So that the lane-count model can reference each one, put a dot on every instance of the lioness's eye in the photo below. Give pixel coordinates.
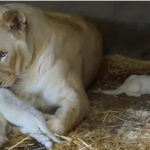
(3, 54)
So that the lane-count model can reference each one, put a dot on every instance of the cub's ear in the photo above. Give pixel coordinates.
(14, 19)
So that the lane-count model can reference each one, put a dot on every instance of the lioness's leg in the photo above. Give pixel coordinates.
(73, 108)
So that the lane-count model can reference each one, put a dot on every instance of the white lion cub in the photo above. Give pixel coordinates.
(135, 85)
(27, 118)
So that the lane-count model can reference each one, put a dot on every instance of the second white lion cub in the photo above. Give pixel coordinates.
(134, 85)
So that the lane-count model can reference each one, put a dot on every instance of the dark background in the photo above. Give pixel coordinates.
(125, 25)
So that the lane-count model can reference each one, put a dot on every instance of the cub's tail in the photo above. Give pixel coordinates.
(118, 91)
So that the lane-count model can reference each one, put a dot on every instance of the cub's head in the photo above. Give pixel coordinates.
(13, 46)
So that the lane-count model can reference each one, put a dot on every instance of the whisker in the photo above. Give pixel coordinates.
(9, 80)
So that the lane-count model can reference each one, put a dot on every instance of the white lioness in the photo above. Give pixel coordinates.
(134, 85)
(50, 56)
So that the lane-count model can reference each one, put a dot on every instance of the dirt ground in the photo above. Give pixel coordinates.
(110, 102)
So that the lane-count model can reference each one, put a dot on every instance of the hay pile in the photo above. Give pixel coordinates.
(117, 128)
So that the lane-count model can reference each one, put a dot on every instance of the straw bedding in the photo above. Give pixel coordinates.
(115, 123)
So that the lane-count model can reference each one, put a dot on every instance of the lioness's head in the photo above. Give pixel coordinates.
(12, 45)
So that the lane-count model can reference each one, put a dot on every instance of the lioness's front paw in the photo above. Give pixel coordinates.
(56, 126)
(3, 140)
(48, 117)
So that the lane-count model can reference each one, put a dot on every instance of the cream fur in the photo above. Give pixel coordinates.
(28, 119)
(52, 58)
(135, 85)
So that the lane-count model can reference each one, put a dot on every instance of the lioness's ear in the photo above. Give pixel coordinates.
(14, 19)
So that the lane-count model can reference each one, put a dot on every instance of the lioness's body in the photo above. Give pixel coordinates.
(58, 57)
